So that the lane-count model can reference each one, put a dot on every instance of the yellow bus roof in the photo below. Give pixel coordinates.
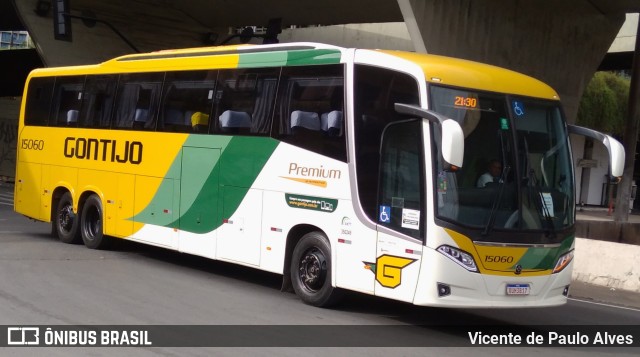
(437, 69)
(469, 74)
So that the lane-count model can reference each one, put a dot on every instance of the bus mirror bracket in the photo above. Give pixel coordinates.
(614, 147)
(452, 137)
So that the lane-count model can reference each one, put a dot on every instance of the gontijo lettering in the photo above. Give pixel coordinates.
(103, 150)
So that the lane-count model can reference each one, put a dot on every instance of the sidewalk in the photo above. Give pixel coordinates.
(602, 294)
(602, 214)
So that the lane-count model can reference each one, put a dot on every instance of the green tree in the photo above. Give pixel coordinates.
(604, 104)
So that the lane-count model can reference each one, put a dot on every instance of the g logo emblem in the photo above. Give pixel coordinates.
(388, 269)
(518, 269)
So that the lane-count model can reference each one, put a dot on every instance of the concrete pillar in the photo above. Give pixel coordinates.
(632, 129)
(558, 42)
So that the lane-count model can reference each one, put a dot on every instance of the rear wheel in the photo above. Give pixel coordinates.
(65, 223)
(91, 224)
(311, 271)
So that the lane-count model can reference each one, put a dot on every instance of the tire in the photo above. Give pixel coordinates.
(66, 222)
(311, 271)
(91, 224)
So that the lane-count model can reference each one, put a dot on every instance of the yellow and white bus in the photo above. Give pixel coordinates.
(341, 169)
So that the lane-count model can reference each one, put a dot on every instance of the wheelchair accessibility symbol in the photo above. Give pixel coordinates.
(518, 108)
(385, 214)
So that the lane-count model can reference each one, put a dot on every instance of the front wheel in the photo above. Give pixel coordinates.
(91, 224)
(311, 271)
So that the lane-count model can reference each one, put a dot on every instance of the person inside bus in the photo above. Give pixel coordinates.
(494, 170)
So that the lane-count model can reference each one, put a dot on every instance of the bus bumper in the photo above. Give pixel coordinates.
(444, 283)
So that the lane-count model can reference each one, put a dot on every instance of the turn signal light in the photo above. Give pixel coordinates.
(563, 261)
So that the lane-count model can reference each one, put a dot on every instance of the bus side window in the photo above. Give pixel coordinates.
(97, 101)
(375, 92)
(137, 100)
(187, 101)
(310, 111)
(244, 101)
(67, 98)
(38, 103)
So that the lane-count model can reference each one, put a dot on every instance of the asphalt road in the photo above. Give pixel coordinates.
(45, 282)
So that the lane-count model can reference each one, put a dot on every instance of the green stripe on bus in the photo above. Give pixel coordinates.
(264, 59)
(544, 258)
(311, 57)
(169, 189)
(213, 164)
(289, 58)
(240, 164)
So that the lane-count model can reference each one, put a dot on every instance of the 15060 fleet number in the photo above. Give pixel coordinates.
(32, 144)
(498, 259)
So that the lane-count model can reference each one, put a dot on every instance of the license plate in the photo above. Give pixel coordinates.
(518, 289)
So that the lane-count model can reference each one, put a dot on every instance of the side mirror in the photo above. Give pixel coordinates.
(615, 148)
(451, 135)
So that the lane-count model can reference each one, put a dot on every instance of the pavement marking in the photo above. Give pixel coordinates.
(6, 199)
(607, 305)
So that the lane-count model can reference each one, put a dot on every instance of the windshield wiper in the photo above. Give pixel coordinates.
(541, 206)
(498, 197)
(535, 196)
(496, 200)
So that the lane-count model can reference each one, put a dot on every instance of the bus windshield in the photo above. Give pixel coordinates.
(517, 173)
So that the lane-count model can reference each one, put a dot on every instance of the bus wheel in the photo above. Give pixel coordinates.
(311, 271)
(65, 224)
(91, 224)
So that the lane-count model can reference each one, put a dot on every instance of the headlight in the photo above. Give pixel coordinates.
(563, 261)
(461, 257)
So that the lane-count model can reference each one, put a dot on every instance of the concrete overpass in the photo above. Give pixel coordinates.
(620, 55)
(559, 43)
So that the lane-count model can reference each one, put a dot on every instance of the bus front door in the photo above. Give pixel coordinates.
(400, 218)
